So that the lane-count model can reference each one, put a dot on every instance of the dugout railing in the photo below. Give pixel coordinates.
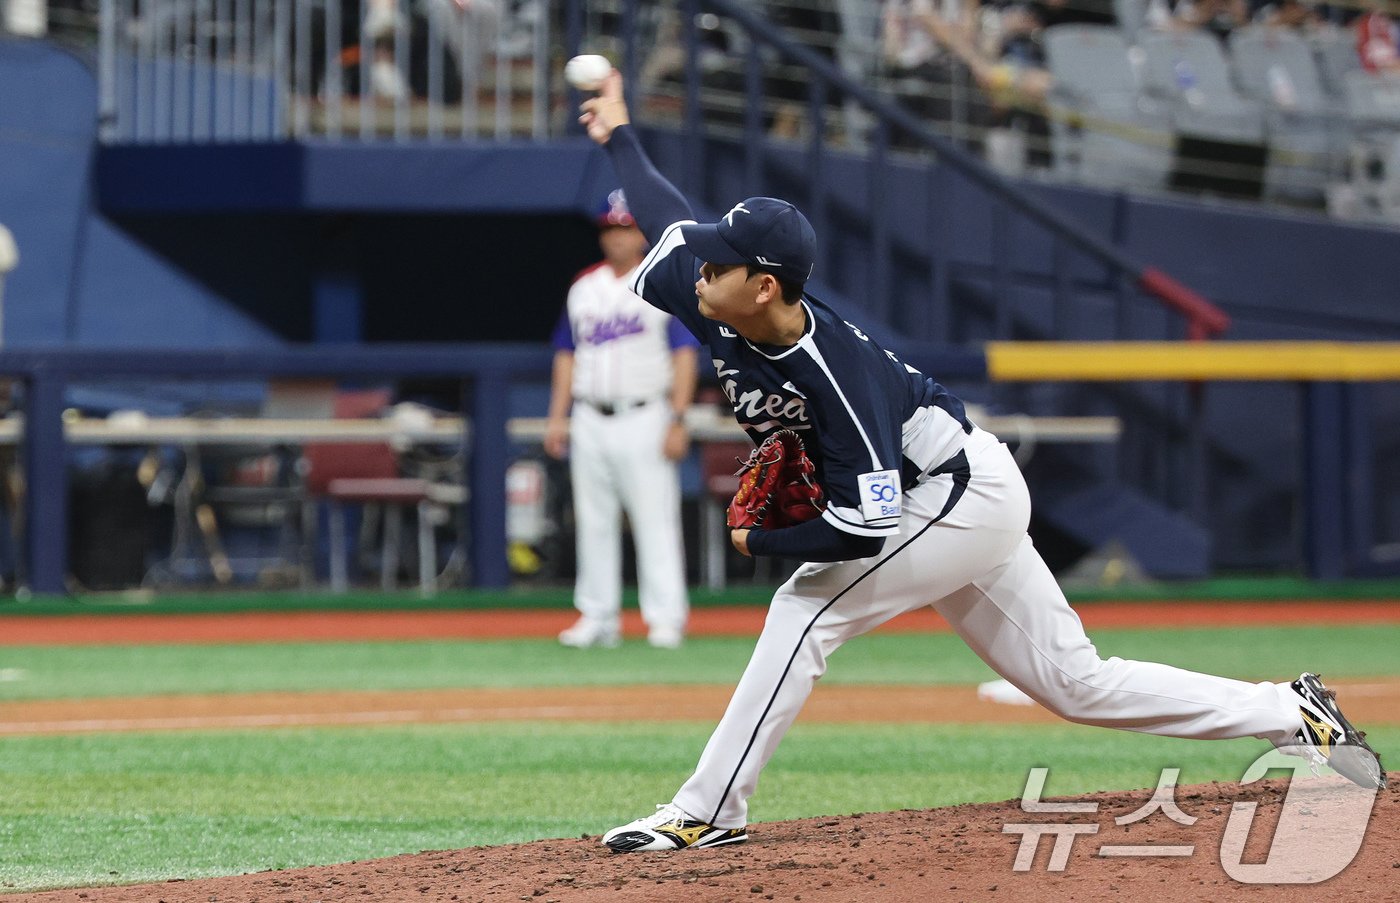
(485, 373)
(1333, 456)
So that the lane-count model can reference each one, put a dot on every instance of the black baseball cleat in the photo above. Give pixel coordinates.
(670, 828)
(1328, 738)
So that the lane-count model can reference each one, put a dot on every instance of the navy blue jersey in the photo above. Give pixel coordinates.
(872, 425)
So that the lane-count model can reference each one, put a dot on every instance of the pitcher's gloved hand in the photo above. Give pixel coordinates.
(776, 486)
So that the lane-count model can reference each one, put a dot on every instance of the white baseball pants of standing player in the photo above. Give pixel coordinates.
(616, 464)
(977, 567)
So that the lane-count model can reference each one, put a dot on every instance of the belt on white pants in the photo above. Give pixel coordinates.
(609, 408)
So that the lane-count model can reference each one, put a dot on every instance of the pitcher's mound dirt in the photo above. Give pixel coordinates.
(958, 853)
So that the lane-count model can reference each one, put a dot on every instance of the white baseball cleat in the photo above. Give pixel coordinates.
(670, 828)
(587, 633)
(1328, 738)
(666, 637)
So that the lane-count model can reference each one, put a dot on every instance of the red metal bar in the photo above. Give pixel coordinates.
(1205, 319)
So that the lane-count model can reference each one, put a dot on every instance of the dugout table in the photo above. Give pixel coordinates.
(194, 434)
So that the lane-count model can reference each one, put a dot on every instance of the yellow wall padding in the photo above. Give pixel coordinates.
(1086, 361)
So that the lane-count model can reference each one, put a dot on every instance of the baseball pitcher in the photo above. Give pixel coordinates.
(917, 507)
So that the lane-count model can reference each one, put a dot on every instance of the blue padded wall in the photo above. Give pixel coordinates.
(47, 125)
(80, 279)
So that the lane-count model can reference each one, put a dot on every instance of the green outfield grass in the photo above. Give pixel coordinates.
(51, 672)
(144, 807)
(117, 808)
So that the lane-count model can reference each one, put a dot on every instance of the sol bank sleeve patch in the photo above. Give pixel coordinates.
(880, 496)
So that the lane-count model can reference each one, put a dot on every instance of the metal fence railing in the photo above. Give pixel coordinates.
(484, 371)
(256, 70)
(409, 70)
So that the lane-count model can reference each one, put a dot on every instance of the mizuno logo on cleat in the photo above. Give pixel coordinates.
(684, 836)
(1320, 730)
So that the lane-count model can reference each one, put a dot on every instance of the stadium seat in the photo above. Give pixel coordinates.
(1373, 107)
(1307, 140)
(1101, 128)
(1131, 16)
(1373, 103)
(1188, 70)
(1334, 48)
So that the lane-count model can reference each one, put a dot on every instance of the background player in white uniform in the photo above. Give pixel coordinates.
(924, 509)
(627, 370)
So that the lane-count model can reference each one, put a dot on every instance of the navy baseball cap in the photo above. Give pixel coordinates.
(614, 211)
(768, 233)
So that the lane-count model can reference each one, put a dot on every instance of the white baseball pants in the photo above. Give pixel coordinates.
(616, 464)
(977, 567)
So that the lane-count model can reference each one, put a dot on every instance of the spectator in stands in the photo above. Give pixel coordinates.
(1296, 14)
(1012, 87)
(1049, 13)
(343, 57)
(858, 51)
(1010, 80)
(831, 27)
(815, 23)
(663, 70)
(1378, 39)
(461, 33)
(382, 22)
(1219, 17)
(721, 65)
(466, 32)
(343, 61)
(923, 75)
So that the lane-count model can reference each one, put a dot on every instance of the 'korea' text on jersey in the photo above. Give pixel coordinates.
(873, 426)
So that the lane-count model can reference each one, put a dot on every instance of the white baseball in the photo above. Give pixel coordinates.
(587, 71)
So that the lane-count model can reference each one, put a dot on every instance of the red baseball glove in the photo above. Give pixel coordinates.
(776, 488)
